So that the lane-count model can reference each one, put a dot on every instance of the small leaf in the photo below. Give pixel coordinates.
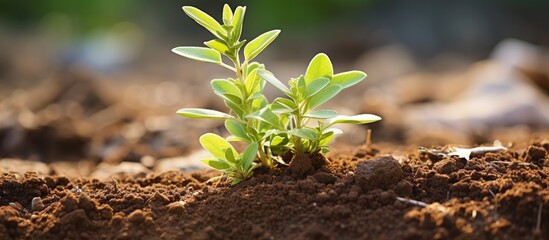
(238, 19)
(202, 113)
(225, 87)
(305, 133)
(199, 53)
(269, 77)
(254, 47)
(248, 155)
(283, 105)
(324, 95)
(315, 86)
(356, 119)
(252, 83)
(206, 21)
(235, 108)
(320, 66)
(230, 156)
(237, 129)
(321, 114)
(219, 46)
(216, 163)
(227, 14)
(216, 145)
(348, 79)
(267, 116)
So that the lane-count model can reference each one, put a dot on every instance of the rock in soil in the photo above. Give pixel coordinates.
(381, 173)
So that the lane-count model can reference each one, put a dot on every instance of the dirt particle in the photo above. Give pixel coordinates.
(536, 155)
(137, 216)
(445, 166)
(326, 178)
(86, 203)
(378, 173)
(301, 165)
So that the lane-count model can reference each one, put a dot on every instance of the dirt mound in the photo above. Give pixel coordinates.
(495, 196)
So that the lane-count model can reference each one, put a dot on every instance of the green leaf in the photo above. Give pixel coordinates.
(348, 79)
(227, 14)
(324, 95)
(254, 47)
(248, 155)
(356, 119)
(326, 138)
(225, 87)
(235, 108)
(305, 133)
(320, 66)
(283, 105)
(230, 156)
(269, 77)
(238, 20)
(219, 46)
(315, 86)
(199, 53)
(267, 116)
(206, 21)
(321, 114)
(216, 163)
(253, 83)
(202, 113)
(237, 129)
(259, 103)
(216, 145)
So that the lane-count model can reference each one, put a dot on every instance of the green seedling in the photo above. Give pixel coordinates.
(310, 130)
(270, 129)
(243, 94)
(225, 158)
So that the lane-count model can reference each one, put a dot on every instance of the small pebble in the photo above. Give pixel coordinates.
(37, 204)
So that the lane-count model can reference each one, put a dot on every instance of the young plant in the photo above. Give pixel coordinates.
(270, 129)
(242, 94)
(225, 158)
(299, 112)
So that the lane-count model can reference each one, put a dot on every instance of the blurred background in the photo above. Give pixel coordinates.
(90, 85)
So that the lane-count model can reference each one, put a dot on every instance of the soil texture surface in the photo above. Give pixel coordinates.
(365, 192)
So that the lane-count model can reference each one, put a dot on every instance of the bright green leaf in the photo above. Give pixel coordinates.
(227, 14)
(238, 20)
(206, 21)
(230, 156)
(356, 119)
(305, 133)
(269, 77)
(283, 105)
(320, 66)
(216, 163)
(321, 114)
(315, 86)
(254, 47)
(199, 53)
(225, 87)
(253, 82)
(324, 95)
(237, 129)
(216, 145)
(248, 155)
(268, 116)
(219, 46)
(202, 113)
(348, 79)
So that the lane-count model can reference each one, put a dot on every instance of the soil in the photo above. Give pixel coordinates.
(366, 192)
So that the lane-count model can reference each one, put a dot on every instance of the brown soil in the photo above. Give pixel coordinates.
(364, 195)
